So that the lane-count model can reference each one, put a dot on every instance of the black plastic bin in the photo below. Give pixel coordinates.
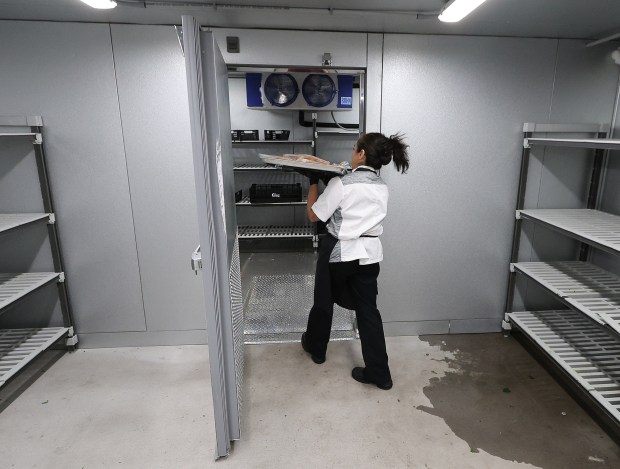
(274, 193)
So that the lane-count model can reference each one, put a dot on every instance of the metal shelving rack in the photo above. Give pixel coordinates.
(271, 142)
(583, 342)
(18, 347)
(254, 232)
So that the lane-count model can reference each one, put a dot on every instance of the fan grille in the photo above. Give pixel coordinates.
(318, 90)
(281, 89)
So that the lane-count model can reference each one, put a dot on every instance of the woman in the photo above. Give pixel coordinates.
(349, 256)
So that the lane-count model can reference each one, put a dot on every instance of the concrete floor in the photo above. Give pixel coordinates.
(475, 401)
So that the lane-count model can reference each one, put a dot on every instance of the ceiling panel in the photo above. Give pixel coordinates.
(525, 18)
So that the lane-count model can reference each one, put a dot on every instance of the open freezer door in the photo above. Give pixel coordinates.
(207, 84)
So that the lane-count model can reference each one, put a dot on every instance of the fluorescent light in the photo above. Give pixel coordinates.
(100, 4)
(456, 10)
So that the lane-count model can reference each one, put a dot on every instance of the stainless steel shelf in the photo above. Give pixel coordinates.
(255, 167)
(582, 286)
(599, 229)
(18, 134)
(337, 133)
(16, 286)
(594, 143)
(275, 231)
(589, 353)
(246, 202)
(18, 347)
(10, 221)
(270, 142)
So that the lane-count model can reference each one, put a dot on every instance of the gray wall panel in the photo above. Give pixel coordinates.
(461, 101)
(611, 199)
(277, 47)
(19, 182)
(374, 82)
(64, 72)
(150, 73)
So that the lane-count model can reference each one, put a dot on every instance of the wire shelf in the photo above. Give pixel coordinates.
(269, 142)
(18, 347)
(246, 202)
(593, 143)
(275, 231)
(594, 227)
(15, 286)
(581, 285)
(588, 352)
(254, 167)
(9, 221)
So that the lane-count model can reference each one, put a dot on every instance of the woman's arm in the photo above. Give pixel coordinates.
(313, 195)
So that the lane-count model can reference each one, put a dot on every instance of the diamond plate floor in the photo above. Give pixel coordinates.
(277, 291)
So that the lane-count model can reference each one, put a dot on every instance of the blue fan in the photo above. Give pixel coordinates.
(281, 89)
(318, 90)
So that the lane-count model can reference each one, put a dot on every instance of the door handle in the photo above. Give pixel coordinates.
(197, 260)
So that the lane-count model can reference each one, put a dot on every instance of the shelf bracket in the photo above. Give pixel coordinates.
(526, 143)
(506, 326)
(38, 139)
(52, 219)
(61, 277)
(518, 215)
(512, 268)
(71, 341)
(197, 260)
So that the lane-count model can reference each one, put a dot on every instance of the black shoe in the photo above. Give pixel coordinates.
(316, 359)
(360, 376)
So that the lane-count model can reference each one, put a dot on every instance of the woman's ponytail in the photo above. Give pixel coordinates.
(380, 150)
(399, 152)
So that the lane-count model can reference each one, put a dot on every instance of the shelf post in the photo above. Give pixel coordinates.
(314, 135)
(516, 236)
(594, 190)
(52, 230)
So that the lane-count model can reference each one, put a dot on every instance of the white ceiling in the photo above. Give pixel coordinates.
(589, 19)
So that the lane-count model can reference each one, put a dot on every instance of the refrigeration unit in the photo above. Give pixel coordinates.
(289, 90)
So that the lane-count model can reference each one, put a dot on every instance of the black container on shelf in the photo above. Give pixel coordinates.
(243, 135)
(238, 196)
(277, 134)
(274, 193)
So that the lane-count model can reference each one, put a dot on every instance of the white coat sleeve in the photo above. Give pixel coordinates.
(329, 200)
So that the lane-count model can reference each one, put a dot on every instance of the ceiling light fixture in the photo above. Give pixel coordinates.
(456, 10)
(100, 4)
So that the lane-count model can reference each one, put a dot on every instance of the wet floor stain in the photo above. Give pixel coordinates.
(498, 399)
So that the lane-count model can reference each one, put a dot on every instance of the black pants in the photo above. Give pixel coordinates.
(358, 284)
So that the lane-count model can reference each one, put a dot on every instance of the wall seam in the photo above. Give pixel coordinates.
(382, 74)
(527, 283)
(612, 133)
(133, 220)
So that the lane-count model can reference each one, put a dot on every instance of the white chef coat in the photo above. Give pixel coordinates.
(355, 205)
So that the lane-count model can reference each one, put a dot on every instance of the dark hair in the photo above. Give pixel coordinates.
(380, 150)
